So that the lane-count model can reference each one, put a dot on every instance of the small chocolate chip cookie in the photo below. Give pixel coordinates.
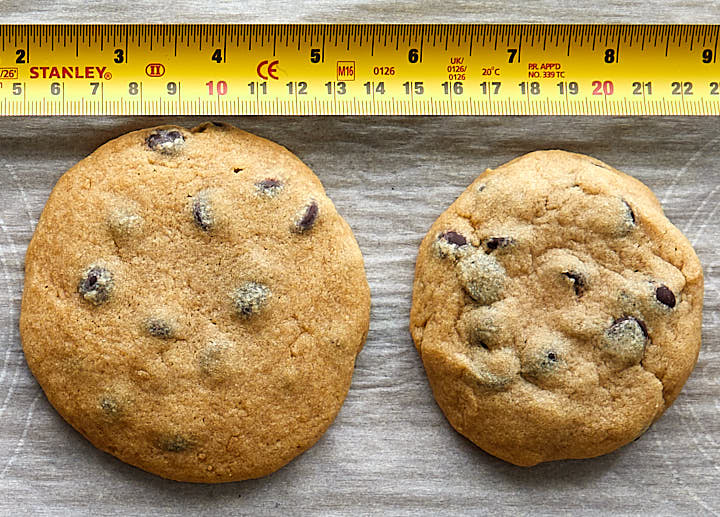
(557, 311)
(193, 303)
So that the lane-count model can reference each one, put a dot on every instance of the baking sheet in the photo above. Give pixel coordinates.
(390, 450)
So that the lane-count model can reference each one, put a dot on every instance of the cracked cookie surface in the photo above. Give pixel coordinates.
(193, 303)
(556, 309)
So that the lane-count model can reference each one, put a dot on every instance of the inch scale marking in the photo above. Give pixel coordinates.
(359, 70)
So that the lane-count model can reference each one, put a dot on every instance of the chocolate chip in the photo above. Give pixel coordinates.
(451, 244)
(494, 243)
(96, 285)
(665, 296)
(218, 124)
(269, 187)
(165, 141)
(478, 327)
(124, 223)
(578, 282)
(548, 361)
(493, 370)
(631, 214)
(482, 277)
(202, 211)
(539, 364)
(487, 380)
(626, 339)
(250, 298)
(211, 360)
(454, 238)
(630, 220)
(159, 327)
(174, 443)
(109, 406)
(269, 184)
(307, 217)
(629, 320)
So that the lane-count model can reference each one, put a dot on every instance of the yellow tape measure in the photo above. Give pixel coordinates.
(359, 70)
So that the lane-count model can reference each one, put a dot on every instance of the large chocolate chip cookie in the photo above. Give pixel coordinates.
(193, 303)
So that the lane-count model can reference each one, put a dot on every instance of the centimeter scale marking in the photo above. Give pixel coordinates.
(359, 70)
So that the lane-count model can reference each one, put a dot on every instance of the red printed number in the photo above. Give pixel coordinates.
(220, 87)
(603, 88)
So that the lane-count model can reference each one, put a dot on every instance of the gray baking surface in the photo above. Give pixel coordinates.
(390, 450)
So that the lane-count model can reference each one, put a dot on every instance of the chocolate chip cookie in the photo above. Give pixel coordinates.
(193, 303)
(556, 309)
